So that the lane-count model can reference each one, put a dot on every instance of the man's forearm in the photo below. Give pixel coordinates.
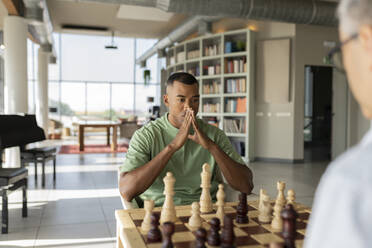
(239, 176)
(137, 181)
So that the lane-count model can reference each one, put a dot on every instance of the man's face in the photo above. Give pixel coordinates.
(178, 98)
(357, 59)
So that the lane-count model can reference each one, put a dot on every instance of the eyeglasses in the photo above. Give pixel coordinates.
(334, 57)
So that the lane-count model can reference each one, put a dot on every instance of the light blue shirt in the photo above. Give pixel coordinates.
(342, 210)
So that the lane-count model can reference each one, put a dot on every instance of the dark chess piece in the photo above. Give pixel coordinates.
(227, 236)
(242, 209)
(154, 235)
(214, 235)
(289, 217)
(201, 237)
(168, 230)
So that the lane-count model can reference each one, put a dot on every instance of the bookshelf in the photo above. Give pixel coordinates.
(223, 64)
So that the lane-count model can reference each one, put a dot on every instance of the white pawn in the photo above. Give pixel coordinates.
(146, 223)
(220, 203)
(291, 197)
(262, 191)
(265, 209)
(206, 205)
(168, 211)
(280, 198)
(277, 223)
(195, 220)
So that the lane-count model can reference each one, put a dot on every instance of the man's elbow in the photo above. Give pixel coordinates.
(126, 187)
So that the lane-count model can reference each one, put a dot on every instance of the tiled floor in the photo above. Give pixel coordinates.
(79, 210)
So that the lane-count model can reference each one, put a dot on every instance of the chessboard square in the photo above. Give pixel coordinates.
(180, 228)
(302, 231)
(141, 231)
(299, 236)
(269, 228)
(253, 213)
(239, 232)
(137, 222)
(231, 215)
(303, 216)
(186, 244)
(250, 223)
(230, 204)
(205, 225)
(137, 215)
(182, 237)
(266, 238)
(245, 240)
(154, 245)
(229, 210)
(183, 213)
(299, 243)
(254, 230)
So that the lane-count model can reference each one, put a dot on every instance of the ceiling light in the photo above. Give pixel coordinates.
(2, 46)
(112, 45)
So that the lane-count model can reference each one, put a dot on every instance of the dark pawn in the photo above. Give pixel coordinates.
(242, 209)
(201, 237)
(214, 235)
(168, 230)
(289, 217)
(154, 235)
(227, 236)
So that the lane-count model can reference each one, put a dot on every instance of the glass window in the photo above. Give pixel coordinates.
(53, 94)
(85, 58)
(31, 96)
(142, 104)
(54, 68)
(72, 101)
(98, 101)
(122, 100)
(142, 45)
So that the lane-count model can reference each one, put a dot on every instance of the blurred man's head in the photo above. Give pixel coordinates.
(182, 93)
(356, 20)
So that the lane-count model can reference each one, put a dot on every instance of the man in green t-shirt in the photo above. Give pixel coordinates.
(181, 143)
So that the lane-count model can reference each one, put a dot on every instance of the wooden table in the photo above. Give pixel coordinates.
(99, 124)
(252, 235)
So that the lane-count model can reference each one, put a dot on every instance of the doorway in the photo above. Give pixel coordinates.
(318, 113)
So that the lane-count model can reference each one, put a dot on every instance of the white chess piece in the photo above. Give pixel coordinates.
(195, 220)
(277, 223)
(291, 197)
(220, 203)
(168, 211)
(146, 223)
(280, 198)
(262, 191)
(265, 210)
(206, 205)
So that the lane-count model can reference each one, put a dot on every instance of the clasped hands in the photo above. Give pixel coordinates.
(184, 132)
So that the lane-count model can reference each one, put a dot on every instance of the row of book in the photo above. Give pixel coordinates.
(211, 87)
(193, 54)
(239, 146)
(211, 108)
(234, 125)
(211, 70)
(234, 46)
(235, 85)
(212, 50)
(236, 105)
(181, 56)
(235, 66)
(194, 71)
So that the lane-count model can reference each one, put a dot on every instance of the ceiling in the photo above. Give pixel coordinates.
(126, 21)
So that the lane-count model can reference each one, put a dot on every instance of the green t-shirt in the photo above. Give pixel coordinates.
(185, 164)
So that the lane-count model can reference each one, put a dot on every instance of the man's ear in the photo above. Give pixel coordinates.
(365, 36)
(166, 100)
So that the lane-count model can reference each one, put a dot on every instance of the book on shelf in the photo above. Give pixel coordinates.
(211, 88)
(212, 50)
(239, 146)
(234, 46)
(193, 54)
(172, 60)
(236, 105)
(181, 56)
(194, 71)
(210, 70)
(236, 66)
(211, 107)
(234, 125)
(236, 85)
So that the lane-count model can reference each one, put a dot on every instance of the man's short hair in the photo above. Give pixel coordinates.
(354, 13)
(182, 77)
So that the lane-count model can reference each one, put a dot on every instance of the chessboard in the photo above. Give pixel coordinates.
(251, 235)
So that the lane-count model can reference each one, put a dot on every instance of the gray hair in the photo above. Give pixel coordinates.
(354, 13)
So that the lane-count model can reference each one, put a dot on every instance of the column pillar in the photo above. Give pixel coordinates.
(42, 108)
(15, 75)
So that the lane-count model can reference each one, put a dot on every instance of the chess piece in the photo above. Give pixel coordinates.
(227, 235)
(206, 205)
(280, 198)
(291, 197)
(220, 203)
(168, 230)
(195, 220)
(168, 211)
(277, 223)
(201, 237)
(146, 223)
(265, 210)
(289, 217)
(242, 209)
(214, 235)
(262, 191)
(154, 235)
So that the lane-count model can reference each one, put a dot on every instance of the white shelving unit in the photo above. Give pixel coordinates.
(223, 64)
